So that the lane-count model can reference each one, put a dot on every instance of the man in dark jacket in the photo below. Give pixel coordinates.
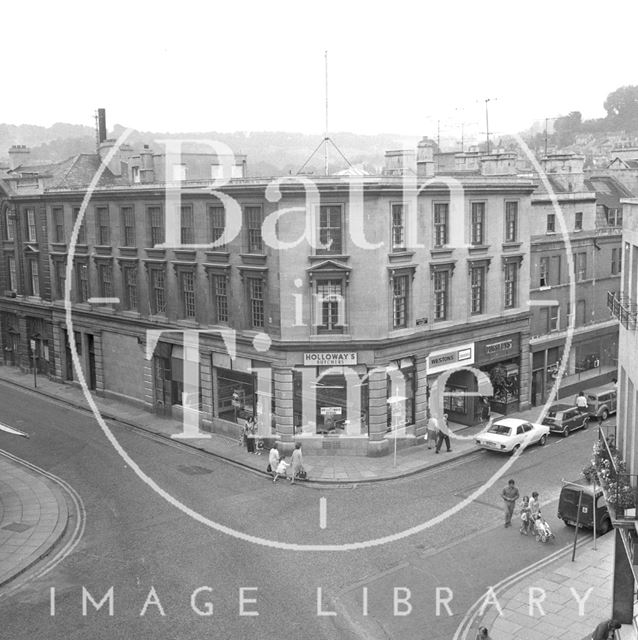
(605, 630)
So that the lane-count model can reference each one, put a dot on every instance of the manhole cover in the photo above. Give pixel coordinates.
(18, 527)
(194, 470)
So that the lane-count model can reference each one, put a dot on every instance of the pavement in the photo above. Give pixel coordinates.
(558, 584)
(33, 515)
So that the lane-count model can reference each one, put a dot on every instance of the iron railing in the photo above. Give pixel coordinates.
(623, 308)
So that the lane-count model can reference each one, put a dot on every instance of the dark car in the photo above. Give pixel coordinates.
(565, 418)
(568, 506)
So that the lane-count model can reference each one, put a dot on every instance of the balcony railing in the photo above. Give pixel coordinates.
(619, 487)
(623, 308)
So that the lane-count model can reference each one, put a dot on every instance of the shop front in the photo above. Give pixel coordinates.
(334, 394)
(500, 359)
(330, 395)
(592, 360)
(242, 388)
(452, 368)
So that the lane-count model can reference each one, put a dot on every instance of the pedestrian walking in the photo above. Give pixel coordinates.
(250, 434)
(526, 516)
(442, 435)
(483, 634)
(486, 411)
(510, 495)
(273, 460)
(431, 431)
(282, 469)
(297, 463)
(606, 630)
(534, 505)
(581, 402)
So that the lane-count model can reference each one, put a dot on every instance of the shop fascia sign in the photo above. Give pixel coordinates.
(329, 359)
(445, 359)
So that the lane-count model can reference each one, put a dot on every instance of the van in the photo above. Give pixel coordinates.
(601, 403)
(565, 418)
(568, 506)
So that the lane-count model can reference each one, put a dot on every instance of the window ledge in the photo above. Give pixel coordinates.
(191, 324)
(511, 246)
(103, 250)
(253, 258)
(478, 248)
(129, 313)
(217, 256)
(400, 256)
(331, 337)
(315, 257)
(441, 252)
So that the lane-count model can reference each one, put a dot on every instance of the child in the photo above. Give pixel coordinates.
(526, 514)
(282, 469)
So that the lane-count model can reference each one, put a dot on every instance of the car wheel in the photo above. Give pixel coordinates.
(565, 432)
(515, 449)
(543, 440)
(605, 526)
(605, 414)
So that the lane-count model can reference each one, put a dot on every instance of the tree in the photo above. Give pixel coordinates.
(622, 106)
(566, 127)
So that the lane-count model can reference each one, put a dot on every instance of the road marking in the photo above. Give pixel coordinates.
(322, 513)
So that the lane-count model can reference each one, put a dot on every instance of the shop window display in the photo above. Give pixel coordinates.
(324, 405)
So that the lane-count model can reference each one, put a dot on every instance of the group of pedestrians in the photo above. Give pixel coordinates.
(437, 433)
(530, 507)
(279, 467)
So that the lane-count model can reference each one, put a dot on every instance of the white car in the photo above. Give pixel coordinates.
(508, 435)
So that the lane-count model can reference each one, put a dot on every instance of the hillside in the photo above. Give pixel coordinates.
(269, 152)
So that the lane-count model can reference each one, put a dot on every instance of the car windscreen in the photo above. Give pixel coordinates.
(501, 429)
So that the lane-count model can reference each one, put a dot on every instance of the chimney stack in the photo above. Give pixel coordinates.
(425, 158)
(567, 169)
(101, 125)
(18, 154)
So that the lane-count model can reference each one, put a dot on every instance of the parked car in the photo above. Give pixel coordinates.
(508, 434)
(601, 403)
(565, 418)
(568, 506)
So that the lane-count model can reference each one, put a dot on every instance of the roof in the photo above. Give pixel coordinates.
(609, 191)
(74, 172)
(510, 422)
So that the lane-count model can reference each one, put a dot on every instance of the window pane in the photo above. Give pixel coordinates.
(187, 227)
(217, 219)
(188, 293)
(330, 229)
(400, 301)
(398, 227)
(440, 224)
(156, 225)
(511, 221)
(128, 225)
(253, 226)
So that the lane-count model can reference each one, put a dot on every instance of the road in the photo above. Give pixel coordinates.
(155, 557)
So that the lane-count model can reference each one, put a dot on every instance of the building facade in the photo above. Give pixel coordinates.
(575, 239)
(326, 310)
(624, 306)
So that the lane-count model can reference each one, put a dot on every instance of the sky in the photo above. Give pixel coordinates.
(393, 67)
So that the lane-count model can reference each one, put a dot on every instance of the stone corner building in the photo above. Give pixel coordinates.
(383, 285)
